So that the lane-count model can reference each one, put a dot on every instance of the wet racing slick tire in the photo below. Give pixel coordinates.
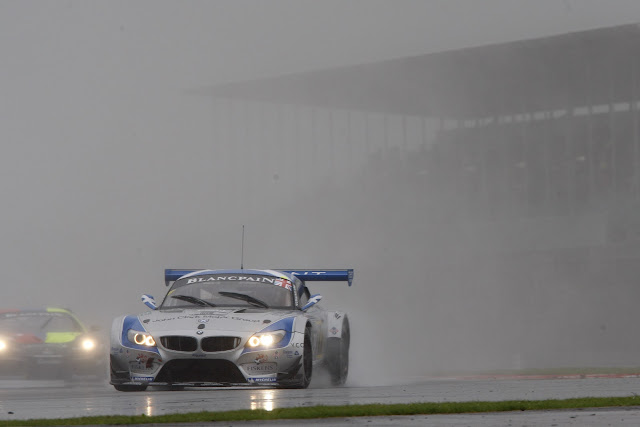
(129, 387)
(123, 376)
(307, 363)
(338, 355)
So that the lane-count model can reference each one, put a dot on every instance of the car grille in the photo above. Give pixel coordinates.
(213, 344)
(200, 371)
(179, 343)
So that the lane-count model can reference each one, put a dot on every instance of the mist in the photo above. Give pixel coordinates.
(114, 168)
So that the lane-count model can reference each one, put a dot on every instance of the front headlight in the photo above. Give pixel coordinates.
(265, 339)
(88, 344)
(141, 338)
(3, 345)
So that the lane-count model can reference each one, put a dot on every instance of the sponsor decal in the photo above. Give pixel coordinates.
(278, 281)
(263, 368)
(309, 273)
(297, 353)
(262, 380)
(334, 330)
(242, 319)
(297, 344)
(149, 363)
(141, 378)
(283, 283)
(213, 315)
(338, 316)
(219, 278)
(261, 358)
(198, 355)
(203, 320)
(144, 362)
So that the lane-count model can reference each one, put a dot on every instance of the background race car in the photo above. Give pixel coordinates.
(232, 327)
(49, 343)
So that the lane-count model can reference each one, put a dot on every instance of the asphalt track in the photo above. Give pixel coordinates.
(52, 399)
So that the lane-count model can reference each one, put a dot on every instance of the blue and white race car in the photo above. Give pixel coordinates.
(230, 328)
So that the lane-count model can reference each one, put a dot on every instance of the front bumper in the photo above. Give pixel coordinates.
(230, 368)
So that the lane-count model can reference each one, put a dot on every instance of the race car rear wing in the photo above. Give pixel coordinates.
(329, 275)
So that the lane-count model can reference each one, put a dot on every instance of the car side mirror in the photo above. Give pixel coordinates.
(149, 301)
(312, 301)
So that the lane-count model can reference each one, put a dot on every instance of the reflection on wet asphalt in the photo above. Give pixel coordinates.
(55, 399)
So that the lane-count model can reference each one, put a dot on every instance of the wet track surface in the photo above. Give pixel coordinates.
(53, 399)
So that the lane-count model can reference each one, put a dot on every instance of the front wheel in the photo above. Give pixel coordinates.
(307, 359)
(306, 368)
(338, 355)
(129, 387)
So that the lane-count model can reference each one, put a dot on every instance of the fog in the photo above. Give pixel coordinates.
(113, 169)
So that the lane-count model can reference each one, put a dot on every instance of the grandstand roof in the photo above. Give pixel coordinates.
(574, 69)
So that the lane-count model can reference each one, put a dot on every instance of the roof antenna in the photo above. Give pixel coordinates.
(242, 250)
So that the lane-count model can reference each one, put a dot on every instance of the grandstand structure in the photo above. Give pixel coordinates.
(538, 139)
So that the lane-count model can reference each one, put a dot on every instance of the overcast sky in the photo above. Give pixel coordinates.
(104, 155)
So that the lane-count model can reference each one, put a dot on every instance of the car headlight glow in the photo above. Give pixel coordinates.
(3, 345)
(141, 338)
(88, 344)
(266, 339)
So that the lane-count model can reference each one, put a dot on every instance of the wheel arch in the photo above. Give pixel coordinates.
(335, 322)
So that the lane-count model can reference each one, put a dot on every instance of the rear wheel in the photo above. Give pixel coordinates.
(338, 355)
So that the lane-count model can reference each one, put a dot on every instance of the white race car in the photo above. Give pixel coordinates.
(230, 328)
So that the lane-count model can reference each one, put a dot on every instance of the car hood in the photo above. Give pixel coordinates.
(237, 320)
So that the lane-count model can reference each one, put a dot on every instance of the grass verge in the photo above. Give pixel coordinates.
(562, 371)
(368, 410)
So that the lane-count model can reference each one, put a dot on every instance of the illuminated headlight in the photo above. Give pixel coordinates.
(266, 339)
(141, 338)
(3, 345)
(88, 344)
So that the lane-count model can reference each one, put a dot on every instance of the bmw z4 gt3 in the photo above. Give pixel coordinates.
(231, 328)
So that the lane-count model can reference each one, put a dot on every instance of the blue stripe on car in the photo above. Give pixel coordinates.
(285, 324)
(132, 322)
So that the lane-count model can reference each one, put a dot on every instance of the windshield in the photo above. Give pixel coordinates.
(230, 290)
(37, 323)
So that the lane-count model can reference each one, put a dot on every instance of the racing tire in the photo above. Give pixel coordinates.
(338, 355)
(129, 387)
(306, 369)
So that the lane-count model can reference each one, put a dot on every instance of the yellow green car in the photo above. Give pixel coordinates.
(50, 343)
